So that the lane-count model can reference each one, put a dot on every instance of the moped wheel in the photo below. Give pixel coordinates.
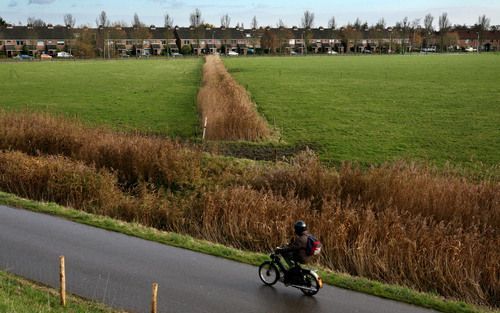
(269, 273)
(312, 285)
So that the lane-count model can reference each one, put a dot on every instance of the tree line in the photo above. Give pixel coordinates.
(307, 21)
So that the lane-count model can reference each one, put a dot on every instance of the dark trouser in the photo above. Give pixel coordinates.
(294, 269)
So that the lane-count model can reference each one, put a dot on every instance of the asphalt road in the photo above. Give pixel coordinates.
(119, 270)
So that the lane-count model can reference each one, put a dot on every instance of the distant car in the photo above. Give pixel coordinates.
(293, 53)
(332, 52)
(24, 57)
(430, 49)
(176, 55)
(366, 51)
(470, 49)
(232, 53)
(45, 57)
(64, 54)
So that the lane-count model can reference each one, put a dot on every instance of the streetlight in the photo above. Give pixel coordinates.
(303, 43)
(477, 42)
(213, 41)
(390, 38)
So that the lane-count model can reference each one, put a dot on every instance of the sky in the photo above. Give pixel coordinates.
(151, 12)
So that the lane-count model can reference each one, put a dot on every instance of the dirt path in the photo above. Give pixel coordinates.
(227, 107)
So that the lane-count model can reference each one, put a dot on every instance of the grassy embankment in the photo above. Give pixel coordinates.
(154, 96)
(19, 296)
(439, 108)
(398, 223)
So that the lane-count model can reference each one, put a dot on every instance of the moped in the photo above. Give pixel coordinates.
(295, 276)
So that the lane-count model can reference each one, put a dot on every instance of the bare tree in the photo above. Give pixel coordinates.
(429, 28)
(332, 23)
(380, 24)
(428, 21)
(308, 19)
(444, 27)
(405, 30)
(357, 24)
(102, 20)
(225, 21)
(136, 22)
(69, 20)
(444, 22)
(169, 21)
(195, 18)
(281, 24)
(36, 22)
(483, 22)
(254, 24)
(416, 39)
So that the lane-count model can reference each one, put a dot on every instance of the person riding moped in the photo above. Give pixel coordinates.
(295, 254)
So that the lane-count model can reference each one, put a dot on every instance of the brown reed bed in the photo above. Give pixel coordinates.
(388, 245)
(399, 223)
(227, 107)
(133, 157)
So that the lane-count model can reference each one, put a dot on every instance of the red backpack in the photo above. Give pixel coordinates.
(313, 246)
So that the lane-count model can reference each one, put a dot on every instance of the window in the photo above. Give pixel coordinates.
(186, 42)
(60, 42)
(19, 42)
(1, 43)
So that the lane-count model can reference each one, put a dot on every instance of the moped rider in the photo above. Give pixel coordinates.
(295, 252)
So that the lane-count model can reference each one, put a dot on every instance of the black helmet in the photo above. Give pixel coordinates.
(300, 227)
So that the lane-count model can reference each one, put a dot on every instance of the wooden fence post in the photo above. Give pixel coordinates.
(154, 298)
(62, 280)
(205, 127)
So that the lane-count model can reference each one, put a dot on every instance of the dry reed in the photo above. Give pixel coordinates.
(227, 107)
(135, 158)
(388, 245)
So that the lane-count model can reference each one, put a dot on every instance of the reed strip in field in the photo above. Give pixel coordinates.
(227, 107)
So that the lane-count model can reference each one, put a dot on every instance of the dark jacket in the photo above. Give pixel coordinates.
(298, 246)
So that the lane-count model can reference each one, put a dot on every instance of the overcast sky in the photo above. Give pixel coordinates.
(267, 12)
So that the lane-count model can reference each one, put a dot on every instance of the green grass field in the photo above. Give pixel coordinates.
(375, 108)
(156, 96)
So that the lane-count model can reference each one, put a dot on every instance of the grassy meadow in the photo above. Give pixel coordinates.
(372, 109)
(155, 96)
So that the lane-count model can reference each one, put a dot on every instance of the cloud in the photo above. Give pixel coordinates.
(40, 1)
(12, 4)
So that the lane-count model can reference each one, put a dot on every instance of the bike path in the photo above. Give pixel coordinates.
(118, 270)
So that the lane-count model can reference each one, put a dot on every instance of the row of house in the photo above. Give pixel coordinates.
(114, 41)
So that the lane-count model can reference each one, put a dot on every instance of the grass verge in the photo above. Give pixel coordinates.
(393, 292)
(20, 295)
